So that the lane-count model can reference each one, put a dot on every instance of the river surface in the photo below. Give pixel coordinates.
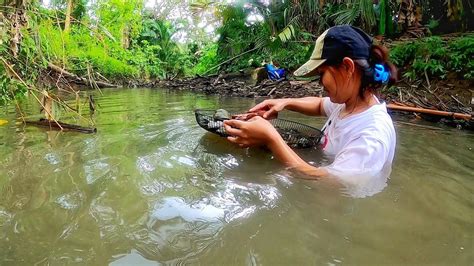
(151, 187)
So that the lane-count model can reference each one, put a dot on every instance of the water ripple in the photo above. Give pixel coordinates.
(152, 187)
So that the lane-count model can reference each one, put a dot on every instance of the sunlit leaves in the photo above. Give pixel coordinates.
(9, 88)
(287, 33)
(118, 16)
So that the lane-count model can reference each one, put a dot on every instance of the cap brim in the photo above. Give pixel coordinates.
(308, 68)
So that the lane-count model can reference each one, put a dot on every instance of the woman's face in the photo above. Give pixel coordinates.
(338, 81)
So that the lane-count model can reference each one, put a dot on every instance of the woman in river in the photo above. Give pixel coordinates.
(359, 133)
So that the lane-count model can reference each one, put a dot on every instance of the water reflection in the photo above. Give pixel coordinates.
(361, 186)
(174, 207)
(182, 224)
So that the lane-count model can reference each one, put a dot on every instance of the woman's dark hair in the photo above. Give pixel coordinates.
(378, 55)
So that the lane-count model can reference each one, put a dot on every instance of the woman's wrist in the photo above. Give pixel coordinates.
(274, 141)
(286, 155)
(287, 103)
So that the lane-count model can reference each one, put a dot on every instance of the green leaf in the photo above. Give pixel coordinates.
(287, 33)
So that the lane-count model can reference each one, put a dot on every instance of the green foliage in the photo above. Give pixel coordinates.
(164, 56)
(81, 50)
(287, 33)
(432, 24)
(382, 16)
(86, 48)
(235, 36)
(5, 83)
(357, 12)
(292, 55)
(120, 40)
(120, 17)
(207, 60)
(270, 40)
(80, 9)
(462, 54)
(156, 31)
(435, 57)
(9, 88)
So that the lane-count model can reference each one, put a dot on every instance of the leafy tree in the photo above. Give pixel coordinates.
(121, 18)
(71, 11)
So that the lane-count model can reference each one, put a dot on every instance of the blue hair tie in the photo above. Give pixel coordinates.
(381, 74)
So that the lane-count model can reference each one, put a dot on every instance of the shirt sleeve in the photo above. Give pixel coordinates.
(363, 156)
(328, 106)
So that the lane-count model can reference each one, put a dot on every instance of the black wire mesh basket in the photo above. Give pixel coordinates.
(295, 134)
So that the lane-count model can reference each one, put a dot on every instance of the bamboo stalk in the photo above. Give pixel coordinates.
(429, 111)
(67, 22)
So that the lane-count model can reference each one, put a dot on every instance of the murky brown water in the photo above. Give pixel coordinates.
(151, 187)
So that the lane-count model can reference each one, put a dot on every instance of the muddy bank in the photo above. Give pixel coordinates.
(242, 88)
(450, 96)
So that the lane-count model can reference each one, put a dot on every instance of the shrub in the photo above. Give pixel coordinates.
(435, 57)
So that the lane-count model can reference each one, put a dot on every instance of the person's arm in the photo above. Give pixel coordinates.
(259, 132)
(307, 105)
(287, 156)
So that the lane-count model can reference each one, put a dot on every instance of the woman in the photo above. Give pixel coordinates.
(359, 132)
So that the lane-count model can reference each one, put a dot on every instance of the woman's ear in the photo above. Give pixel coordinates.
(348, 64)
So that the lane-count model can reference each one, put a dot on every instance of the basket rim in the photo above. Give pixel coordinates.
(275, 119)
(291, 121)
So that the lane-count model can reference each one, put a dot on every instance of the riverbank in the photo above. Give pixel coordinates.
(450, 96)
(437, 74)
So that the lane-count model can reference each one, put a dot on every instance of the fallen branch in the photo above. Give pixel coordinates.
(61, 126)
(5, 63)
(100, 84)
(466, 117)
(270, 93)
(458, 101)
(229, 60)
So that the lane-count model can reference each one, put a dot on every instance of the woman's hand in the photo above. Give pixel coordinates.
(254, 132)
(270, 107)
(259, 132)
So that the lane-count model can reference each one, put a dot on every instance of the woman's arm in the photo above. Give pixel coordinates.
(259, 132)
(287, 156)
(307, 105)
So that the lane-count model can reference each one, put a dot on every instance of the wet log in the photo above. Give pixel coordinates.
(61, 126)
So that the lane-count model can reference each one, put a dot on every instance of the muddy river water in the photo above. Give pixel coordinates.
(151, 187)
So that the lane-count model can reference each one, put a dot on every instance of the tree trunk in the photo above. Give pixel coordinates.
(17, 20)
(67, 21)
(125, 37)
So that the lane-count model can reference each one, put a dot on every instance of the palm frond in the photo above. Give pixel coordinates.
(287, 33)
(346, 16)
(367, 13)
